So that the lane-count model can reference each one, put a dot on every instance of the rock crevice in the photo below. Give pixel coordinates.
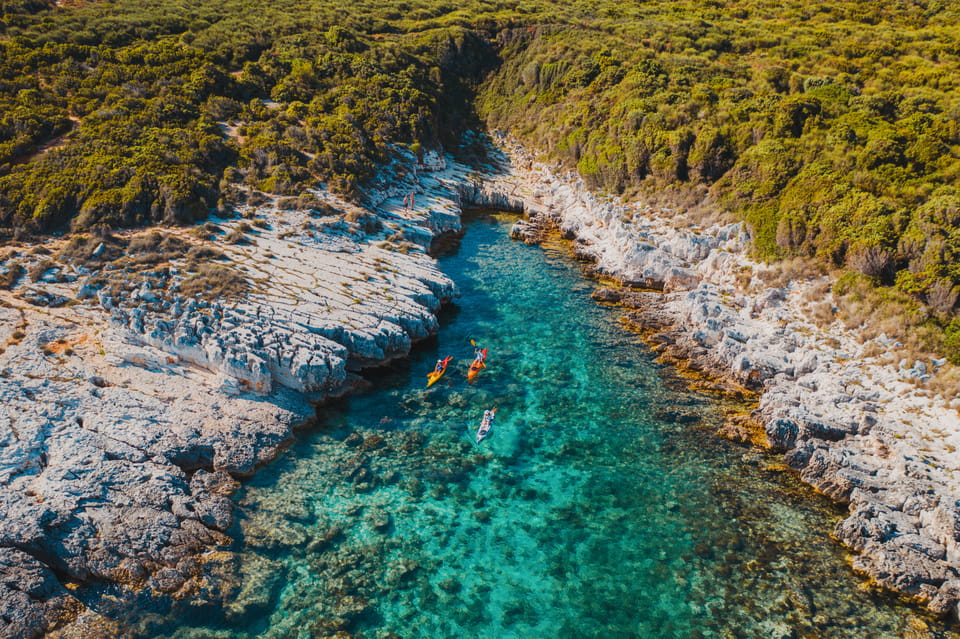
(127, 414)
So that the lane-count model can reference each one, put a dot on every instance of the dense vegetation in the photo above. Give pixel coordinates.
(833, 129)
(145, 93)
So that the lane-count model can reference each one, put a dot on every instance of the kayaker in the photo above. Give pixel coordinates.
(478, 355)
(439, 367)
(488, 416)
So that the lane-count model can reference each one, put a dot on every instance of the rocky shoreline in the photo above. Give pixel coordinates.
(853, 426)
(143, 373)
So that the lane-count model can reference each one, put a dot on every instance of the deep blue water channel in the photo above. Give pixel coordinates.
(602, 505)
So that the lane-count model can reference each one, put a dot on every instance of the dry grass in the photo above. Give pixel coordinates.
(37, 269)
(880, 311)
(198, 255)
(796, 269)
(304, 202)
(64, 346)
(874, 349)
(18, 333)
(819, 301)
(818, 292)
(236, 236)
(832, 342)
(155, 242)
(367, 222)
(215, 282)
(743, 276)
(689, 203)
(205, 232)
(155, 247)
(288, 203)
(9, 278)
(256, 198)
(81, 248)
(822, 314)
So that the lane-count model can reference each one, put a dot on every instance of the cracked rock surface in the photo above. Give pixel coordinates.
(853, 425)
(141, 375)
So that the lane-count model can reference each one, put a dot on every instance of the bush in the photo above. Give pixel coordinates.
(366, 222)
(10, 276)
(200, 254)
(236, 236)
(82, 248)
(951, 342)
(165, 244)
(37, 269)
(288, 203)
(872, 261)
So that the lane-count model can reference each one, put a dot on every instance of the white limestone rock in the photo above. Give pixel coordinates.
(851, 428)
(107, 407)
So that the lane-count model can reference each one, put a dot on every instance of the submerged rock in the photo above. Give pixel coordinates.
(850, 428)
(126, 415)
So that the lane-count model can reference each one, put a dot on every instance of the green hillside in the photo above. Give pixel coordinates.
(833, 129)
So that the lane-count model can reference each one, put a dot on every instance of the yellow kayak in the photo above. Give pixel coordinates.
(436, 374)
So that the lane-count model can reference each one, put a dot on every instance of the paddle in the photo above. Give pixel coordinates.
(474, 344)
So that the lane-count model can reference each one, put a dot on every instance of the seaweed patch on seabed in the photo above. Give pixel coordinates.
(601, 504)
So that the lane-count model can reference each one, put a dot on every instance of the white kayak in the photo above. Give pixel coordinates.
(486, 424)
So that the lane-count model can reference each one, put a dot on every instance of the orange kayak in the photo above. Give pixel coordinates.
(434, 375)
(476, 366)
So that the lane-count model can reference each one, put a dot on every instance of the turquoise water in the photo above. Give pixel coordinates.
(601, 505)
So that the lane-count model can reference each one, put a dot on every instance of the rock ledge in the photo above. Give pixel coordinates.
(853, 427)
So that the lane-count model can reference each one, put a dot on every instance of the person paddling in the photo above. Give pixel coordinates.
(479, 361)
(486, 424)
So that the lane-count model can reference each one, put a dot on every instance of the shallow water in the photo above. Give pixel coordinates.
(602, 504)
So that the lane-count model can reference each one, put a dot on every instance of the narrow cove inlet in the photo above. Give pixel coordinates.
(602, 504)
